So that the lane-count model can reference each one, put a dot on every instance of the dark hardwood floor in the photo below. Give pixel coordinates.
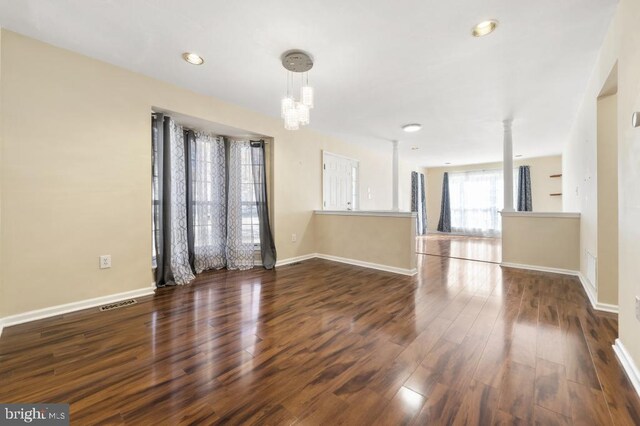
(324, 343)
(483, 249)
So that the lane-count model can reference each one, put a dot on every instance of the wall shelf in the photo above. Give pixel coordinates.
(556, 194)
(558, 175)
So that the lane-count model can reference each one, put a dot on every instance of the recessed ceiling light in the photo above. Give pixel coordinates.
(484, 28)
(413, 127)
(414, 148)
(193, 58)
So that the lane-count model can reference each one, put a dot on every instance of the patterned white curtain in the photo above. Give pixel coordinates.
(243, 229)
(209, 208)
(179, 248)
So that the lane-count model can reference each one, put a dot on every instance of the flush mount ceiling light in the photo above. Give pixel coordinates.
(413, 127)
(193, 58)
(295, 112)
(484, 28)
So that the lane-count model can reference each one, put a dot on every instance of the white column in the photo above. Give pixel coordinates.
(507, 163)
(394, 178)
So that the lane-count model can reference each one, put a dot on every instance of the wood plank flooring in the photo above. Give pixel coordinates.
(461, 343)
(482, 249)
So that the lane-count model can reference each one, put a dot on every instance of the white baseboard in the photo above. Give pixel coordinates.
(593, 296)
(539, 268)
(627, 363)
(588, 288)
(377, 266)
(296, 259)
(606, 307)
(72, 307)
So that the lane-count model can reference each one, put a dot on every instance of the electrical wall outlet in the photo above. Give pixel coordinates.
(105, 261)
(294, 238)
(638, 308)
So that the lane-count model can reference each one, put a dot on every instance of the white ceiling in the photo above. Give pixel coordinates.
(378, 63)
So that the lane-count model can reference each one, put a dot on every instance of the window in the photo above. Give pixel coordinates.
(476, 199)
(155, 200)
(249, 186)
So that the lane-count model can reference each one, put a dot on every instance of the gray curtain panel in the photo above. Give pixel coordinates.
(423, 206)
(414, 191)
(190, 158)
(169, 203)
(525, 204)
(159, 123)
(267, 245)
(418, 202)
(444, 225)
(415, 200)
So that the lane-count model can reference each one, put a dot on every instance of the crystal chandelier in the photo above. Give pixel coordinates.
(295, 112)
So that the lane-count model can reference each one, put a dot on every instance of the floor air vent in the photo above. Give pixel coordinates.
(118, 305)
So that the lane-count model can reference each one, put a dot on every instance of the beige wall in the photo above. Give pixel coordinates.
(607, 184)
(628, 174)
(549, 242)
(386, 241)
(541, 184)
(2, 295)
(76, 167)
(579, 163)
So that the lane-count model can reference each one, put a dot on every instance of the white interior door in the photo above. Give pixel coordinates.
(339, 182)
